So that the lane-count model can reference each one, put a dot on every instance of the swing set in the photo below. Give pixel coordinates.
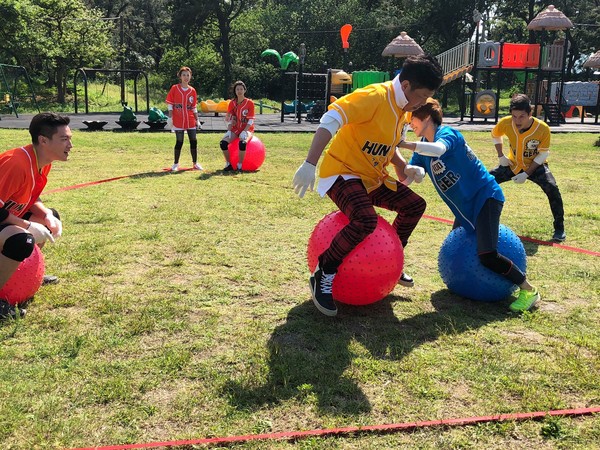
(11, 97)
(108, 77)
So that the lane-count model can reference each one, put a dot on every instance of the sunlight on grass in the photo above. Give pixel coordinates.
(183, 311)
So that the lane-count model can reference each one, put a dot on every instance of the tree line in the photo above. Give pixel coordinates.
(222, 40)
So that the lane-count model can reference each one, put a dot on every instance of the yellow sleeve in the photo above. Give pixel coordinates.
(499, 129)
(359, 106)
(545, 141)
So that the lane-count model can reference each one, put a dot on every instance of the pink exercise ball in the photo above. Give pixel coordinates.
(371, 271)
(255, 154)
(26, 280)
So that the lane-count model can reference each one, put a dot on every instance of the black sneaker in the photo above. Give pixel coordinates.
(321, 287)
(406, 280)
(8, 311)
(49, 279)
(559, 236)
(228, 168)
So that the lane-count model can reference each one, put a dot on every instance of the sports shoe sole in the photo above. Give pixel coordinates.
(406, 283)
(327, 312)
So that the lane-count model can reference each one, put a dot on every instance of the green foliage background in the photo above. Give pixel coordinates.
(221, 40)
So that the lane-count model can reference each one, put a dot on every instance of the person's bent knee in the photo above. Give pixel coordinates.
(243, 146)
(19, 246)
(492, 261)
(224, 145)
(366, 224)
(416, 208)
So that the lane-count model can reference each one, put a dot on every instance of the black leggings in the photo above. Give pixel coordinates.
(545, 180)
(486, 230)
(191, 132)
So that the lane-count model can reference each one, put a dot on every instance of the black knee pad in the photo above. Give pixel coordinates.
(18, 246)
(55, 213)
(243, 146)
(494, 262)
(224, 145)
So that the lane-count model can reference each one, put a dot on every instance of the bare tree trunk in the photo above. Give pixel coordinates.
(224, 48)
(60, 84)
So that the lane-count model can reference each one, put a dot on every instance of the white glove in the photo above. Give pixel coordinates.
(503, 161)
(415, 172)
(304, 178)
(520, 178)
(170, 123)
(243, 135)
(54, 224)
(198, 125)
(40, 233)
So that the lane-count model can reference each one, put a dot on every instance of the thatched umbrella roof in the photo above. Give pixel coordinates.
(593, 61)
(401, 46)
(550, 19)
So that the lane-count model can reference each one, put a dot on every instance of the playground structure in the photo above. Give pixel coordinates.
(541, 68)
(88, 74)
(210, 106)
(480, 67)
(11, 96)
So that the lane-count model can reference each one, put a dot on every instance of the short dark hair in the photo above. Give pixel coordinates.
(422, 71)
(432, 109)
(45, 124)
(520, 102)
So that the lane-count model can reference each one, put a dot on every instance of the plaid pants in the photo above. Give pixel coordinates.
(352, 199)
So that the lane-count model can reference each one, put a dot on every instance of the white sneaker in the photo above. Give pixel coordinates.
(197, 166)
(174, 167)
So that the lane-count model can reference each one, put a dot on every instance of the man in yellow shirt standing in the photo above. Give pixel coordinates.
(529, 139)
(364, 128)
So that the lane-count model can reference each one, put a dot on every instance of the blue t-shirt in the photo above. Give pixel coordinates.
(459, 176)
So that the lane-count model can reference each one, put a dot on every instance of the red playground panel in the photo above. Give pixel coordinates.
(520, 56)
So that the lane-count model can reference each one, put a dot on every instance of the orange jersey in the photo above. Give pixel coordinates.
(21, 183)
(184, 102)
(241, 113)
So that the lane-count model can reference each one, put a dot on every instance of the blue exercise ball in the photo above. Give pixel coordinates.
(464, 274)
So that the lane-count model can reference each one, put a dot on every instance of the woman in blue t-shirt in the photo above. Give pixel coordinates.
(465, 185)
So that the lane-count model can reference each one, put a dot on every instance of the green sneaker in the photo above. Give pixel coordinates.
(525, 301)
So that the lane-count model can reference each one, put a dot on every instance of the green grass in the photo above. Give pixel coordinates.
(183, 312)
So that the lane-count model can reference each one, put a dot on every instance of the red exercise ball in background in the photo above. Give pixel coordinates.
(371, 271)
(27, 279)
(255, 154)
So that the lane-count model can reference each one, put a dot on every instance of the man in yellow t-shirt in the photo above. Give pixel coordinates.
(529, 140)
(364, 128)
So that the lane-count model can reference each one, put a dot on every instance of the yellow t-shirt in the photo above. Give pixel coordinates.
(524, 147)
(366, 142)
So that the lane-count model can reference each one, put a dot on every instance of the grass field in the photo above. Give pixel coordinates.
(183, 312)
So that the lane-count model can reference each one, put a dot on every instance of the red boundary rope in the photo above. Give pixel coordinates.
(439, 219)
(407, 426)
(528, 239)
(386, 428)
(93, 183)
